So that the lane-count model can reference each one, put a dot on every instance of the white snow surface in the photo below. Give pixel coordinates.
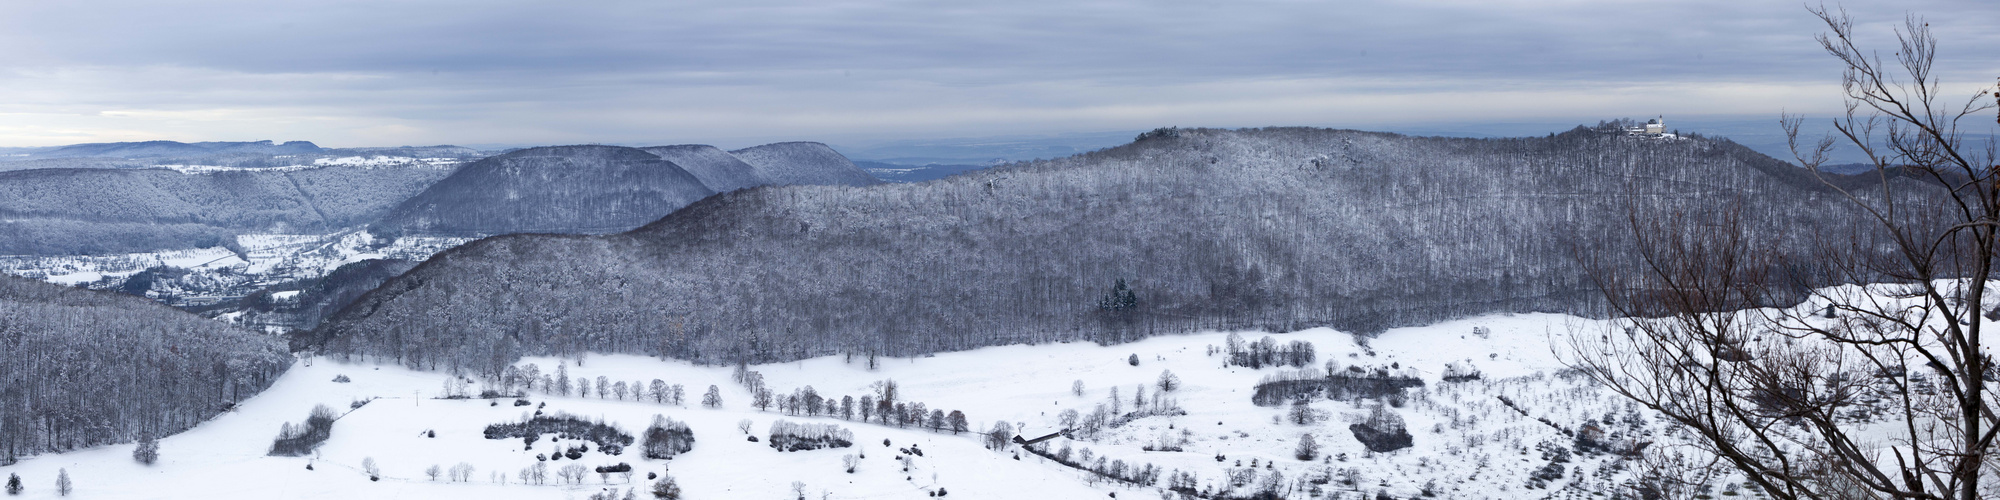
(1484, 453)
(72, 270)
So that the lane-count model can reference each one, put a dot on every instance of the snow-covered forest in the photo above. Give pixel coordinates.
(1273, 229)
(85, 368)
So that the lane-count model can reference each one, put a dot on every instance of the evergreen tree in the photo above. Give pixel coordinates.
(1120, 298)
(148, 450)
(13, 484)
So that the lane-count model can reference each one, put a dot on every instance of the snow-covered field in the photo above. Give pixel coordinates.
(386, 161)
(1466, 443)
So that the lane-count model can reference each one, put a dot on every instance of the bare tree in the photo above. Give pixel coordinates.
(1873, 391)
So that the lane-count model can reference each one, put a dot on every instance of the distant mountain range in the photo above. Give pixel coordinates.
(299, 188)
(152, 149)
(64, 211)
(104, 221)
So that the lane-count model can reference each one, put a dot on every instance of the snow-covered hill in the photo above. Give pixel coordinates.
(1467, 443)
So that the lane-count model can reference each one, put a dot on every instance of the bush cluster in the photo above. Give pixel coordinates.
(788, 436)
(299, 440)
(609, 439)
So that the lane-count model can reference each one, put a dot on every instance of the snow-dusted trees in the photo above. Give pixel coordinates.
(666, 488)
(1382, 431)
(712, 399)
(573, 473)
(1775, 392)
(80, 368)
(1268, 352)
(609, 439)
(1117, 405)
(1000, 436)
(434, 471)
(148, 450)
(1283, 212)
(462, 472)
(788, 436)
(536, 473)
(63, 485)
(668, 437)
(761, 399)
(1350, 383)
(1308, 449)
(368, 467)
(14, 484)
(659, 391)
(1168, 382)
(957, 421)
(299, 440)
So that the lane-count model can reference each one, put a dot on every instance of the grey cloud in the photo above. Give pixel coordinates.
(618, 70)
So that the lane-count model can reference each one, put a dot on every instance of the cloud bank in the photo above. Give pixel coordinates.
(741, 72)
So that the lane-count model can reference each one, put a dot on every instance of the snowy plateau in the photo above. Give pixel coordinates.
(1467, 443)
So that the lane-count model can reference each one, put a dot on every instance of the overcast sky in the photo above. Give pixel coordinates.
(737, 72)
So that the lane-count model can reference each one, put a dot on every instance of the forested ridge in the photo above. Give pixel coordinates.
(559, 189)
(591, 189)
(81, 368)
(1275, 229)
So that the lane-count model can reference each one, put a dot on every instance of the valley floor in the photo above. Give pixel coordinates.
(1467, 444)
